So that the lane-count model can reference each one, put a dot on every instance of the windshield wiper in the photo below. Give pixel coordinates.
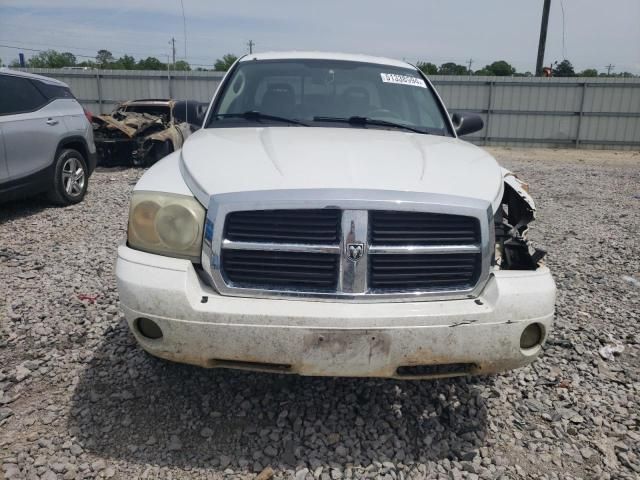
(255, 115)
(355, 120)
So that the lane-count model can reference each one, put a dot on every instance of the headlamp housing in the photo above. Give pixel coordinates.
(166, 224)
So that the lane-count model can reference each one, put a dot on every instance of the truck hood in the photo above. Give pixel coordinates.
(226, 160)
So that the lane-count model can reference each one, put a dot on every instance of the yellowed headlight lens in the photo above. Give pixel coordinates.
(166, 224)
(177, 226)
(143, 222)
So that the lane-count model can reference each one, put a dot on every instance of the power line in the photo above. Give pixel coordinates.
(470, 62)
(250, 44)
(173, 49)
(49, 46)
(38, 50)
(609, 68)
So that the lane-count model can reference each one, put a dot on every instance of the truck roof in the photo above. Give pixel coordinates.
(325, 56)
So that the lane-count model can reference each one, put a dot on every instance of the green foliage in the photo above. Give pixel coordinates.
(104, 57)
(223, 64)
(428, 68)
(52, 59)
(500, 69)
(451, 68)
(589, 72)
(564, 69)
(126, 62)
(182, 66)
(151, 63)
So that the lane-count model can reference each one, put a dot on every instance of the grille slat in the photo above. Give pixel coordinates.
(424, 271)
(421, 228)
(300, 226)
(266, 269)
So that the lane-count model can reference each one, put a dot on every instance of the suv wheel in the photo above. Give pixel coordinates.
(70, 178)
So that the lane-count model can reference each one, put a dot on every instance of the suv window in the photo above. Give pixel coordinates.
(53, 91)
(18, 95)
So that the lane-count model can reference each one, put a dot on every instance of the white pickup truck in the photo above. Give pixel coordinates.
(327, 220)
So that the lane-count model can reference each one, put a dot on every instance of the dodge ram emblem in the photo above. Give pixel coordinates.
(355, 251)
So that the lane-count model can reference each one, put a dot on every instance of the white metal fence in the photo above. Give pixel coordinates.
(578, 112)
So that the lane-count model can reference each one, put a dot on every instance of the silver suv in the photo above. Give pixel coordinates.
(46, 139)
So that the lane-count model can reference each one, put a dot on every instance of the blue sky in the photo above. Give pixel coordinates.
(596, 33)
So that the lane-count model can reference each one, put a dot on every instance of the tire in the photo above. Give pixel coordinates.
(70, 178)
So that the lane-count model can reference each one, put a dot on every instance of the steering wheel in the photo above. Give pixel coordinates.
(383, 112)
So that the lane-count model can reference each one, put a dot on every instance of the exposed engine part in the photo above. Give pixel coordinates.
(513, 250)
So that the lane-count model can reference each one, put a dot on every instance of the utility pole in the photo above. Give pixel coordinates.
(543, 37)
(470, 62)
(251, 45)
(609, 68)
(173, 49)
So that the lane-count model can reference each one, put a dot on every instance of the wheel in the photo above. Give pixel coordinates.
(70, 179)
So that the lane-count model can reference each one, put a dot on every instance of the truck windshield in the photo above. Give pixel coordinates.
(328, 93)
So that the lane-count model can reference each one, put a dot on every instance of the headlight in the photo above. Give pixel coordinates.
(167, 224)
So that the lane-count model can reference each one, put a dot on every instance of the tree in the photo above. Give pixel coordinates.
(451, 68)
(484, 72)
(126, 62)
(428, 68)
(223, 64)
(589, 72)
(52, 59)
(104, 57)
(564, 69)
(500, 69)
(151, 63)
(181, 65)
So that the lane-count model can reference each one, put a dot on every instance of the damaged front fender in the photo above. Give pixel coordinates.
(517, 210)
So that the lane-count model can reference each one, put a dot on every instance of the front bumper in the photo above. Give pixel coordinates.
(339, 338)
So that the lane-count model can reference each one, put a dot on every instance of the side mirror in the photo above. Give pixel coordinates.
(466, 123)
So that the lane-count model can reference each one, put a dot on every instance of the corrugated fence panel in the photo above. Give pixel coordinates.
(589, 112)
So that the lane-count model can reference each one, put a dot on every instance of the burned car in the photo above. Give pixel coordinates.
(141, 132)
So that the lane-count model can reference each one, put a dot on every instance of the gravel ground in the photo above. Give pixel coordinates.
(79, 399)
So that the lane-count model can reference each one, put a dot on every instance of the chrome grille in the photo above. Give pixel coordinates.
(354, 245)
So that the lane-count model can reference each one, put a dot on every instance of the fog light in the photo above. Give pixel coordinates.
(531, 336)
(148, 328)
